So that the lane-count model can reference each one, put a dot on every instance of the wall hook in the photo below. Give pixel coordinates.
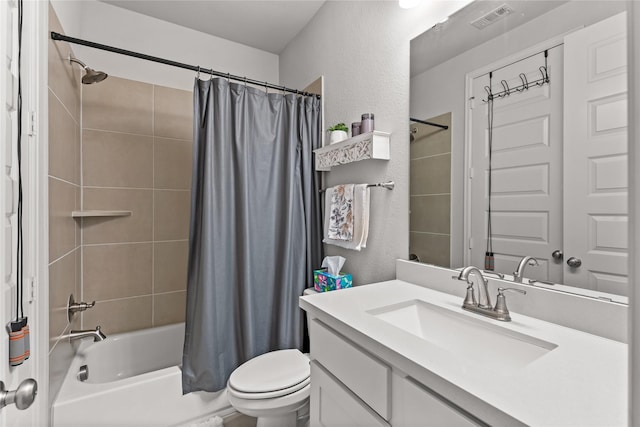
(525, 83)
(545, 76)
(489, 94)
(506, 91)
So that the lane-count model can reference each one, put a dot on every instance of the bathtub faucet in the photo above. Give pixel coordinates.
(96, 334)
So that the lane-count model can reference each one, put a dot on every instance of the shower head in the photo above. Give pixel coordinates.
(90, 75)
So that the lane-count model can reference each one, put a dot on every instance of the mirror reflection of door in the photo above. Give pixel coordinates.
(526, 163)
(595, 117)
(534, 194)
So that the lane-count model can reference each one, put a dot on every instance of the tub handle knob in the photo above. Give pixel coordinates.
(73, 307)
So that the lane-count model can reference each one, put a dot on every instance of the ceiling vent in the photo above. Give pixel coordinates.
(492, 17)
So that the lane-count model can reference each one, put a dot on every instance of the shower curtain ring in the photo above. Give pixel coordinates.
(211, 75)
(228, 77)
(198, 72)
(266, 88)
(245, 81)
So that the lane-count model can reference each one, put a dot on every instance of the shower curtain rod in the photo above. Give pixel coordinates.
(62, 37)
(424, 122)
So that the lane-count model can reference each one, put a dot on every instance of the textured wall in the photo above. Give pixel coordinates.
(107, 24)
(362, 49)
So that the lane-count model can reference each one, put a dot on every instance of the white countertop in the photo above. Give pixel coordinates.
(581, 382)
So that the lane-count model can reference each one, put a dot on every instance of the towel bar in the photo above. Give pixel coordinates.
(390, 185)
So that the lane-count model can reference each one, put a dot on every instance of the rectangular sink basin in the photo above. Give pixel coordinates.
(478, 341)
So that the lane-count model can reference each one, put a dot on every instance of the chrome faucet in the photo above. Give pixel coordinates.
(518, 275)
(96, 334)
(484, 300)
(499, 312)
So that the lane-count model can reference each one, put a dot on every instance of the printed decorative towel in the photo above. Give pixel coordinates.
(361, 196)
(341, 217)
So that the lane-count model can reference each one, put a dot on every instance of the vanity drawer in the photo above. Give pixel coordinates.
(417, 405)
(333, 405)
(366, 376)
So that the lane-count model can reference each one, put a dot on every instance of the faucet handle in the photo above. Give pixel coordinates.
(74, 307)
(501, 302)
(501, 291)
(470, 298)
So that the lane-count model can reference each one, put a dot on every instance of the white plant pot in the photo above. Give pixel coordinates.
(337, 136)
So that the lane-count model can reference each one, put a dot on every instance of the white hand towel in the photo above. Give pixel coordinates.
(365, 215)
(361, 199)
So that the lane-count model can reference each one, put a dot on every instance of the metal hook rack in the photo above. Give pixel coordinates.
(523, 86)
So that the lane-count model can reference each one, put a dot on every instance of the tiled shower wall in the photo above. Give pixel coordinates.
(64, 197)
(430, 192)
(136, 156)
(64, 181)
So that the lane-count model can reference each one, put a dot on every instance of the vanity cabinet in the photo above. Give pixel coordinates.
(351, 387)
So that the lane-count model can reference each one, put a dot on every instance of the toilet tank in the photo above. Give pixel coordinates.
(309, 291)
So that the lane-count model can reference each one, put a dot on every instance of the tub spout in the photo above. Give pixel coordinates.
(96, 334)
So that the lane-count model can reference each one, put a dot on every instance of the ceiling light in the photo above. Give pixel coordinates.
(408, 4)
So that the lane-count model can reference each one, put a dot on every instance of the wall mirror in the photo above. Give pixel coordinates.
(530, 158)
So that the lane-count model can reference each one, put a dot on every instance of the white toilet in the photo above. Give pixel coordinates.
(273, 387)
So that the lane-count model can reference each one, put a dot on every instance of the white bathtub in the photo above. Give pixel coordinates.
(134, 380)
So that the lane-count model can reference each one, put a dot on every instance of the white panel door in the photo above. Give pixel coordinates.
(526, 168)
(12, 377)
(9, 416)
(595, 215)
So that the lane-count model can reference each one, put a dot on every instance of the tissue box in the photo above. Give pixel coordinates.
(323, 281)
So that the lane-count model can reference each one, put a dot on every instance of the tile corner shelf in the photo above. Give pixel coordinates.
(98, 213)
(371, 145)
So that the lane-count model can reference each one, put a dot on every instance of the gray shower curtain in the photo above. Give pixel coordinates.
(255, 232)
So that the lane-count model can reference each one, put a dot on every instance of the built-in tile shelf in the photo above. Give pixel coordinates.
(371, 145)
(96, 213)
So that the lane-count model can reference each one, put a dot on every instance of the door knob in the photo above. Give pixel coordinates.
(23, 396)
(557, 255)
(574, 262)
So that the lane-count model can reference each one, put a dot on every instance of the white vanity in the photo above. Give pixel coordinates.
(401, 354)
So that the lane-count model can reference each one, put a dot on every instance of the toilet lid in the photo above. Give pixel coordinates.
(276, 370)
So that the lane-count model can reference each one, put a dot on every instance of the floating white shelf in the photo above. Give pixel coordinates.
(97, 213)
(371, 145)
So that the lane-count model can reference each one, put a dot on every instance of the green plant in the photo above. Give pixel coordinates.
(339, 126)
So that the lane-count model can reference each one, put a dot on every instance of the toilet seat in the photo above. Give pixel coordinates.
(270, 375)
(269, 394)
